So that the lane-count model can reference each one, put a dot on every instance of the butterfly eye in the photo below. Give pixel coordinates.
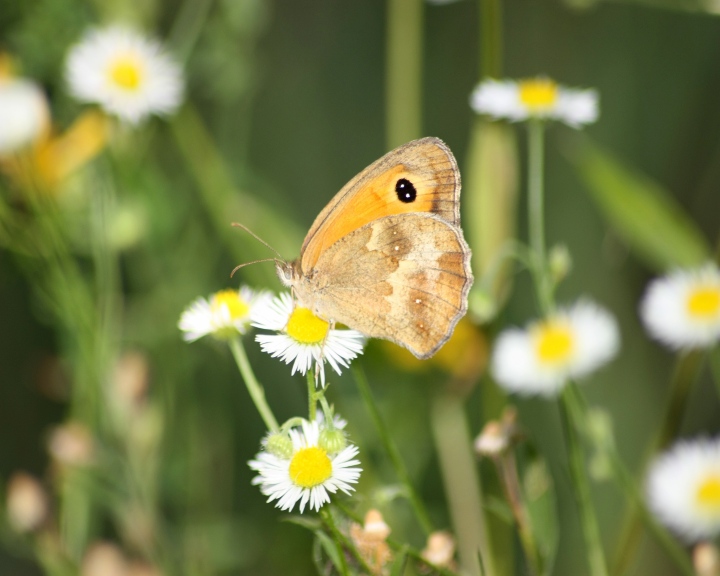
(405, 191)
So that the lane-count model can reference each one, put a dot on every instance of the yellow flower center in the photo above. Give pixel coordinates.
(232, 301)
(708, 494)
(538, 94)
(704, 302)
(306, 328)
(554, 342)
(310, 467)
(127, 73)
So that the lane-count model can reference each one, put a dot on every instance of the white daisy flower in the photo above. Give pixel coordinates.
(569, 344)
(303, 338)
(682, 309)
(535, 98)
(683, 488)
(24, 114)
(224, 314)
(309, 474)
(128, 74)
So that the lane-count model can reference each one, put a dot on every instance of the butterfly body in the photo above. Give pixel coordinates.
(387, 256)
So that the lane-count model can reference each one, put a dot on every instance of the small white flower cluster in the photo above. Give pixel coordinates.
(535, 98)
(301, 338)
(128, 74)
(683, 488)
(24, 114)
(570, 343)
(306, 465)
(682, 309)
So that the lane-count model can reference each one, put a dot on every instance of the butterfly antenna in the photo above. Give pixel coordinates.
(238, 225)
(248, 264)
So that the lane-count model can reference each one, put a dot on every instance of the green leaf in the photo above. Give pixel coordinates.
(330, 548)
(643, 213)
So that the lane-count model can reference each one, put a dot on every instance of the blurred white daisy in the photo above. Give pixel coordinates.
(683, 488)
(224, 315)
(308, 473)
(128, 74)
(682, 309)
(570, 343)
(303, 338)
(24, 114)
(535, 98)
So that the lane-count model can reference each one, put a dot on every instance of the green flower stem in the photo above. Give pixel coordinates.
(462, 484)
(715, 367)
(403, 71)
(392, 451)
(490, 38)
(338, 538)
(687, 368)
(536, 218)
(635, 496)
(253, 386)
(507, 469)
(344, 541)
(312, 395)
(572, 417)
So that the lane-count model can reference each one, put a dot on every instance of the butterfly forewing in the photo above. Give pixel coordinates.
(420, 176)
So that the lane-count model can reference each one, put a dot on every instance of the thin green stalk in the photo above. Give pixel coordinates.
(403, 72)
(507, 469)
(337, 537)
(450, 429)
(571, 416)
(634, 495)
(253, 386)
(715, 368)
(687, 368)
(536, 209)
(312, 395)
(490, 38)
(392, 451)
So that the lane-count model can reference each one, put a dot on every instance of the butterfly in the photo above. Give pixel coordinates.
(387, 256)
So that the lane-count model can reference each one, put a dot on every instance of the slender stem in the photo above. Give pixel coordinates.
(462, 484)
(571, 416)
(253, 386)
(687, 367)
(312, 395)
(507, 469)
(490, 38)
(403, 72)
(536, 217)
(392, 451)
(669, 543)
(715, 368)
(338, 538)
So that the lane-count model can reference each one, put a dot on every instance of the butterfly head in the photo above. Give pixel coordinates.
(286, 272)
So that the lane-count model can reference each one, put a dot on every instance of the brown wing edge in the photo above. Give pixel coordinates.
(469, 279)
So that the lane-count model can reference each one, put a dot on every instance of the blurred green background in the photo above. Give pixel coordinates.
(291, 99)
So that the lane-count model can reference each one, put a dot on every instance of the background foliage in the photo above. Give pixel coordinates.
(285, 103)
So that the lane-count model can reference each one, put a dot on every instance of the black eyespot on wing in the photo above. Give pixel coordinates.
(405, 191)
